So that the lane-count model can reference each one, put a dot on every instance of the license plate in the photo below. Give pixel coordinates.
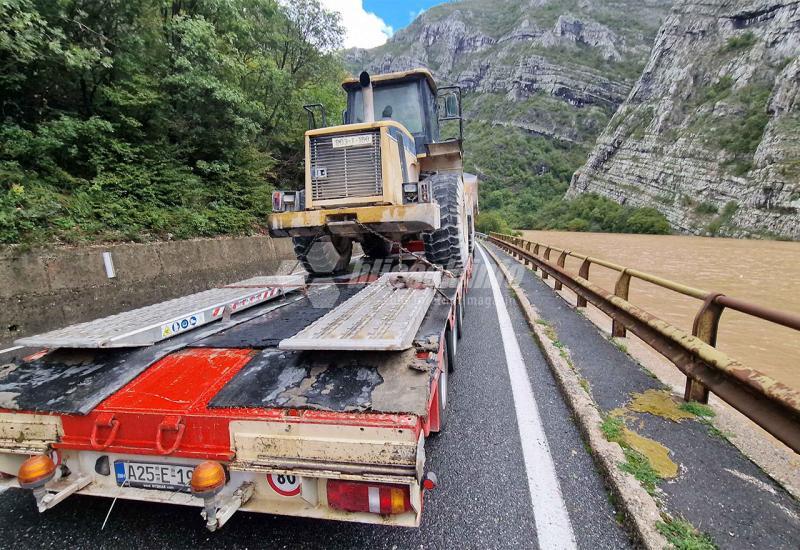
(149, 475)
(352, 141)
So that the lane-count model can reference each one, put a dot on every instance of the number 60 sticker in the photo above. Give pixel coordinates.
(285, 485)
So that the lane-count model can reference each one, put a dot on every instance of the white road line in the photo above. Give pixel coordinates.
(553, 526)
(15, 348)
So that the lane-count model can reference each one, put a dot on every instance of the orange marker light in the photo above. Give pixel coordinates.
(36, 472)
(208, 479)
(398, 500)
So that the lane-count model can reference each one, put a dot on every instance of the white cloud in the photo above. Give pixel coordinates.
(363, 29)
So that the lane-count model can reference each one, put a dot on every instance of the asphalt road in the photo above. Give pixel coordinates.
(483, 501)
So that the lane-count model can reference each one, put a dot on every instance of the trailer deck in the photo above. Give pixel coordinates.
(226, 392)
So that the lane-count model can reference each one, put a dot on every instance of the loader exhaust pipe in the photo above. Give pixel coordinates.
(369, 98)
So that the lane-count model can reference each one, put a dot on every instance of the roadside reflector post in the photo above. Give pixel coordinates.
(108, 263)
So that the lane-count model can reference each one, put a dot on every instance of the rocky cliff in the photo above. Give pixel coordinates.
(585, 54)
(710, 134)
(543, 78)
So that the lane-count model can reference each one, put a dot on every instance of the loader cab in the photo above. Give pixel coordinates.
(408, 98)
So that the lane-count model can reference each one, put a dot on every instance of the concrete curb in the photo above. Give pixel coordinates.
(640, 508)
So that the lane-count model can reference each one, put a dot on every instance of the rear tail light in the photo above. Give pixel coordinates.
(376, 498)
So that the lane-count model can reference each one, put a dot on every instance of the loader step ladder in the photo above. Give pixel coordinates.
(384, 316)
(151, 324)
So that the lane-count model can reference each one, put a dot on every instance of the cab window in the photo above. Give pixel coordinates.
(400, 102)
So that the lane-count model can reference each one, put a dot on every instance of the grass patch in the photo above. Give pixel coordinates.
(639, 467)
(613, 429)
(682, 535)
(550, 332)
(715, 92)
(740, 43)
(585, 385)
(619, 345)
(636, 463)
(719, 434)
(698, 409)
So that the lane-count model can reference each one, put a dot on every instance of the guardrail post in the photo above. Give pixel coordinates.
(621, 289)
(583, 272)
(705, 328)
(547, 258)
(535, 248)
(562, 258)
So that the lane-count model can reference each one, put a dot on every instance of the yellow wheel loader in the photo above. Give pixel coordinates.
(383, 178)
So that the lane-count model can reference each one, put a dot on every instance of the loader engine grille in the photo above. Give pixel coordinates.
(347, 165)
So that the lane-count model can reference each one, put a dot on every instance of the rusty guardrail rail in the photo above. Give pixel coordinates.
(767, 402)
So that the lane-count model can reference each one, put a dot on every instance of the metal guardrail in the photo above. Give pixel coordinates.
(771, 404)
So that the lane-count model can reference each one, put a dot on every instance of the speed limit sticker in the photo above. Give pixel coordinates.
(285, 485)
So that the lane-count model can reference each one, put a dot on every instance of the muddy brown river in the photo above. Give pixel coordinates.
(764, 272)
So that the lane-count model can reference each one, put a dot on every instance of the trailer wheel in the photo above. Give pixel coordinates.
(451, 348)
(323, 255)
(447, 246)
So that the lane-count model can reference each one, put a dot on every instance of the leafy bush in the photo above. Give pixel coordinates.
(595, 213)
(706, 208)
(493, 222)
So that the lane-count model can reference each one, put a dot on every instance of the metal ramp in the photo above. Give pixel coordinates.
(148, 325)
(384, 316)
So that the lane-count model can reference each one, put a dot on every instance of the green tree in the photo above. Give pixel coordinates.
(138, 119)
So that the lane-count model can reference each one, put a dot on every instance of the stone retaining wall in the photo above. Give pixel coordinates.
(42, 290)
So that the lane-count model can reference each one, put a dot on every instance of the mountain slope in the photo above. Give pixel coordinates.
(543, 78)
(711, 132)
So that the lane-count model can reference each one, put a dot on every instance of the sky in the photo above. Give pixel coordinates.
(370, 23)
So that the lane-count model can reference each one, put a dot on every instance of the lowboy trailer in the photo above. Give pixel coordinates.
(193, 402)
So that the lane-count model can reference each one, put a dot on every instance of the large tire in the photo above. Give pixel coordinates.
(376, 248)
(447, 246)
(324, 255)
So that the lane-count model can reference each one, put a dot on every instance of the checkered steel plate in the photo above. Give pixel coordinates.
(151, 324)
(384, 316)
